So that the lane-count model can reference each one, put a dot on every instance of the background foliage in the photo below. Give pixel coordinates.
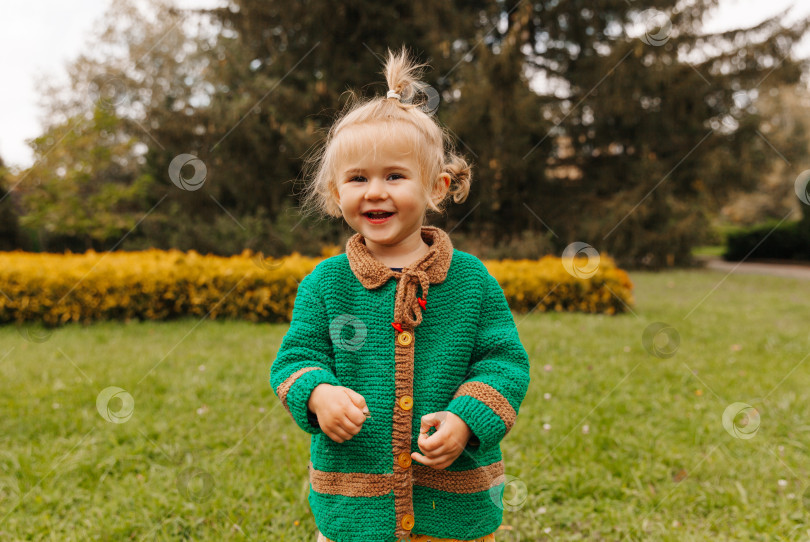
(601, 122)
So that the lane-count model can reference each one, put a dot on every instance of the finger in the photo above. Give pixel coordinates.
(356, 416)
(439, 462)
(348, 424)
(427, 421)
(416, 456)
(443, 460)
(353, 429)
(345, 434)
(357, 400)
(431, 443)
(429, 446)
(341, 433)
(425, 427)
(345, 428)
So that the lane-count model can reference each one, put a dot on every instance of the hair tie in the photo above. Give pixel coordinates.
(392, 94)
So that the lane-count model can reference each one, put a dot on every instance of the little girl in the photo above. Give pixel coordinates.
(400, 334)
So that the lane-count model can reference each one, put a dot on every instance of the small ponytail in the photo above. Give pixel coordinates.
(404, 76)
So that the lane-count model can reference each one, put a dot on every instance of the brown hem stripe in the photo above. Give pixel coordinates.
(350, 484)
(464, 481)
(359, 484)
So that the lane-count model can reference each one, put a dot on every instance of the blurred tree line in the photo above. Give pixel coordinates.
(623, 126)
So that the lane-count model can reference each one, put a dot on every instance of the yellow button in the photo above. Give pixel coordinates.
(406, 402)
(404, 460)
(407, 522)
(405, 338)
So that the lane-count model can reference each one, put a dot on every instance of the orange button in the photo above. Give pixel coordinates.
(406, 402)
(404, 460)
(405, 338)
(407, 522)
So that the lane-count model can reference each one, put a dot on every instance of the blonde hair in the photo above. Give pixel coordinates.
(406, 117)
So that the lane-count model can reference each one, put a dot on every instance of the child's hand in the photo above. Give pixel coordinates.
(446, 444)
(340, 411)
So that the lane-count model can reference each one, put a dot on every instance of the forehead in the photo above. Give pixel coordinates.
(365, 144)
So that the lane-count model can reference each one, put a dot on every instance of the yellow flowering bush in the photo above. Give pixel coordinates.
(546, 285)
(155, 285)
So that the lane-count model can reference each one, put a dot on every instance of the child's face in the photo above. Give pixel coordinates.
(383, 175)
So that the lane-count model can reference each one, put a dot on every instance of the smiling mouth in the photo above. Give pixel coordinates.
(377, 215)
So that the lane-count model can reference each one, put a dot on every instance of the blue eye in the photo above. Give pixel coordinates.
(361, 178)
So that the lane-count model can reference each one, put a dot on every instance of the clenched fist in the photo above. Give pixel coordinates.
(340, 411)
(442, 447)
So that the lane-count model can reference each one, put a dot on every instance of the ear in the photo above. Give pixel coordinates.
(442, 185)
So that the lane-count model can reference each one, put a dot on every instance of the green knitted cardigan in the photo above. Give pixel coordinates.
(436, 336)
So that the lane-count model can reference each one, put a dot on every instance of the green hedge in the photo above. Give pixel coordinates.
(786, 241)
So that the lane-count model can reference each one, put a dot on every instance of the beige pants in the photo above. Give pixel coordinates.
(425, 538)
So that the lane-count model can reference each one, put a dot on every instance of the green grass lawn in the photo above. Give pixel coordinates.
(209, 453)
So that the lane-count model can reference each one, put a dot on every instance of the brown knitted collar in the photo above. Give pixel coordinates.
(372, 273)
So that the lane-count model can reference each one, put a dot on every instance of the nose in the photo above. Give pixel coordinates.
(376, 188)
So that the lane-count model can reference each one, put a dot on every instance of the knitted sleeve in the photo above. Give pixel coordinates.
(304, 358)
(498, 378)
